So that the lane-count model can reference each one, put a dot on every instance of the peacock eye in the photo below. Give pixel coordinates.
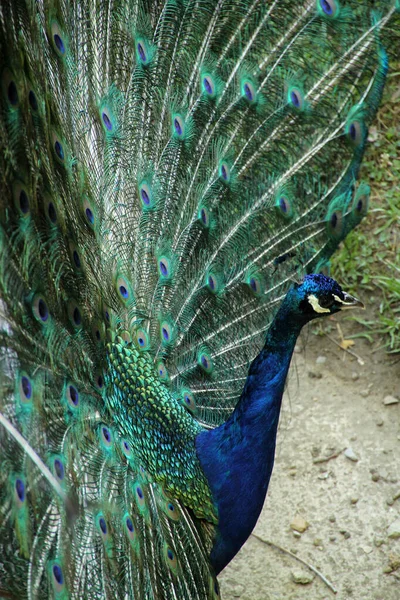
(326, 301)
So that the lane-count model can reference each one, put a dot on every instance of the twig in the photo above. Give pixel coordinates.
(359, 359)
(323, 459)
(313, 569)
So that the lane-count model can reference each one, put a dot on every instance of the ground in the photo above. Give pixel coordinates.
(333, 404)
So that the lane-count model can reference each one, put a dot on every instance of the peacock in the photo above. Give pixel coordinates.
(175, 175)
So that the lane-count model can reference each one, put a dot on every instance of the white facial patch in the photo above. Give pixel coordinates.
(338, 299)
(313, 300)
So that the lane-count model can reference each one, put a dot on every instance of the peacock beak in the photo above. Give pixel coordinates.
(349, 301)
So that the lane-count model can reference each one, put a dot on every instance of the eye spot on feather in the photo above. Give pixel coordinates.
(129, 525)
(23, 202)
(126, 449)
(328, 8)
(145, 194)
(204, 217)
(124, 290)
(21, 199)
(164, 267)
(12, 93)
(106, 121)
(99, 382)
(106, 437)
(51, 212)
(212, 283)
(58, 577)
(188, 402)
(139, 497)
(335, 224)
(162, 371)
(103, 525)
(224, 172)
(255, 284)
(178, 126)
(20, 490)
(89, 215)
(313, 300)
(143, 54)
(208, 86)
(58, 148)
(59, 469)
(72, 395)
(9, 88)
(284, 206)
(59, 43)
(361, 201)
(76, 259)
(25, 387)
(166, 332)
(130, 529)
(296, 98)
(170, 558)
(33, 100)
(58, 39)
(40, 309)
(75, 315)
(205, 362)
(356, 132)
(248, 91)
(142, 339)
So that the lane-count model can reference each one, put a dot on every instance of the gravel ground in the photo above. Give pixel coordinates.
(348, 506)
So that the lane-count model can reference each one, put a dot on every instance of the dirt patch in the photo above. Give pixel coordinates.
(332, 404)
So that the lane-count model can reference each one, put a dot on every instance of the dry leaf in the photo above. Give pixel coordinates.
(346, 344)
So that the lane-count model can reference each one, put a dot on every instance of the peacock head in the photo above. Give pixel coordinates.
(319, 296)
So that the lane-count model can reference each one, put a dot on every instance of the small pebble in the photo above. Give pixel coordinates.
(364, 393)
(375, 477)
(379, 422)
(345, 534)
(388, 400)
(367, 549)
(378, 542)
(354, 500)
(297, 349)
(321, 360)
(394, 563)
(394, 530)
(296, 534)
(317, 542)
(332, 519)
(355, 376)
(302, 577)
(313, 375)
(350, 454)
(332, 538)
(299, 524)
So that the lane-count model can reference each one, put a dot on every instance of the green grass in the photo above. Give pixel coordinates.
(369, 260)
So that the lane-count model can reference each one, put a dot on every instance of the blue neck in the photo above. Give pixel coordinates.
(237, 457)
